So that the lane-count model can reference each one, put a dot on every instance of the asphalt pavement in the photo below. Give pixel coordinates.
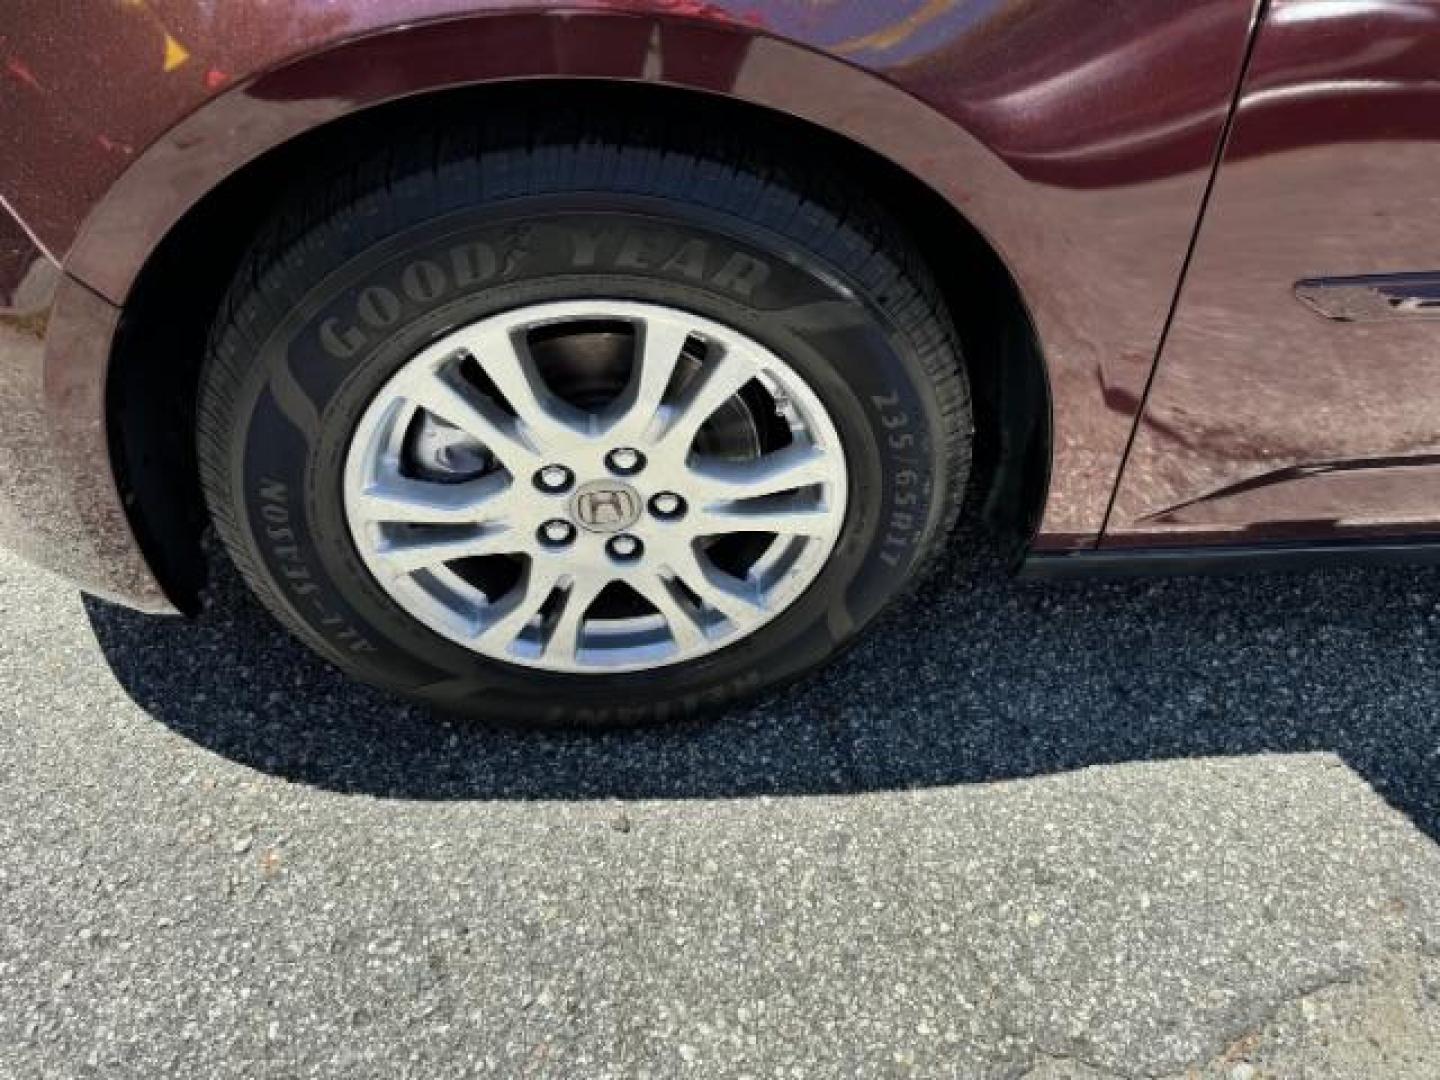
(1160, 828)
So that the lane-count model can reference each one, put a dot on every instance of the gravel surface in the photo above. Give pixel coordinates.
(1181, 828)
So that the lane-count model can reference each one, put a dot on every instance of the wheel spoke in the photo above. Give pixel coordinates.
(745, 518)
(399, 499)
(724, 373)
(794, 467)
(737, 600)
(469, 412)
(564, 641)
(685, 630)
(511, 616)
(658, 354)
(550, 422)
(409, 555)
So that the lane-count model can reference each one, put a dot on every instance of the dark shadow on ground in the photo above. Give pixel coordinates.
(981, 679)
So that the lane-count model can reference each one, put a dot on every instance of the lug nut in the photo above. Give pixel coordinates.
(554, 478)
(667, 505)
(625, 461)
(556, 533)
(624, 547)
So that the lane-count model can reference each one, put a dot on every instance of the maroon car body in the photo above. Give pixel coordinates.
(1180, 191)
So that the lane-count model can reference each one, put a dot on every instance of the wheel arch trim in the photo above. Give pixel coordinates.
(274, 108)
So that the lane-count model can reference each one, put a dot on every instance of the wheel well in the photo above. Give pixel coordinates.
(155, 367)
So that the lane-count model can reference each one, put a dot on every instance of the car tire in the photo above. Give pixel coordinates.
(623, 229)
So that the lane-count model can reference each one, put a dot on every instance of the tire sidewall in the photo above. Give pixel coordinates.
(320, 366)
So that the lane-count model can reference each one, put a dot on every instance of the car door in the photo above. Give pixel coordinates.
(1297, 395)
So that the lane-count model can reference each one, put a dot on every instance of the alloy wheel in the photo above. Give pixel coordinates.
(595, 486)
